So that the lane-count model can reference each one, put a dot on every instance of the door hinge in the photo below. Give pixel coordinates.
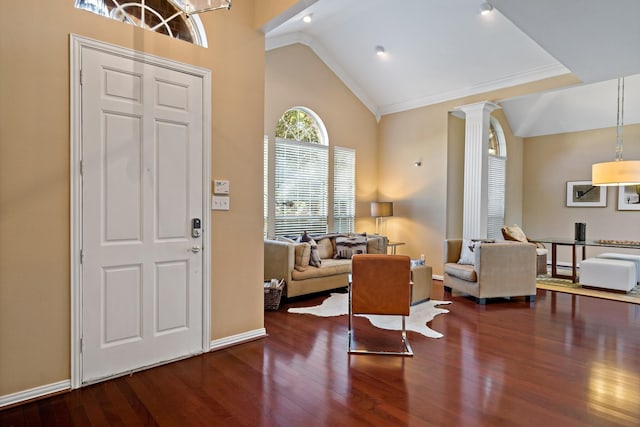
(81, 78)
(81, 255)
(81, 167)
(81, 345)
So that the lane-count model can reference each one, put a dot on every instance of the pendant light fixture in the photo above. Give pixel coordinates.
(190, 7)
(618, 172)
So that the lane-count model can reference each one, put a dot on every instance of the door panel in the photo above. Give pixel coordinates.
(122, 304)
(122, 193)
(171, 296)
(172, 177)
(142, 146)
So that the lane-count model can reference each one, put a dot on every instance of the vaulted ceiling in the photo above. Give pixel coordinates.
(439, 50)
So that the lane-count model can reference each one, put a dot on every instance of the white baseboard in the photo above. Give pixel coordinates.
(238, 339)
(22, 396)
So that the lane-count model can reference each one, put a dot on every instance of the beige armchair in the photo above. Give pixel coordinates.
(515, 233)
(505, 269)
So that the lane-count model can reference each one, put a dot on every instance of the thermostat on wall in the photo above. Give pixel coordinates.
(221, 186)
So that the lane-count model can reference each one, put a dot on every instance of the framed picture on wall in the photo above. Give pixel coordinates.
(629, 198)
(584, 195)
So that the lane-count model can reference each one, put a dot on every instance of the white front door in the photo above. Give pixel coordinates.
(142, 178)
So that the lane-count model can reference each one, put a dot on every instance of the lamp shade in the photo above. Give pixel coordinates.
(380, 209)
(620, 172)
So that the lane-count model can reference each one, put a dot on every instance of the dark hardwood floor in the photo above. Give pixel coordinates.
(563, 361)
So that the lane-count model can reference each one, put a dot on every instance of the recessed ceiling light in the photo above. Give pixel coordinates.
(307, 18)
(380, 50)
(486, 8)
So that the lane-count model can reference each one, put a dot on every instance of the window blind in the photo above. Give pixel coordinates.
(495, 192)
(265, 186)
(344, 189)
(300, 187)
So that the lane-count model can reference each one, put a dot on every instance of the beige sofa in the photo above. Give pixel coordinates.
(285, 260)
(504, 269)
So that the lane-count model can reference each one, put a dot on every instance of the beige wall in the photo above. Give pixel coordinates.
(419, 193)
(34, 175)
(551, 161)
(266, 10)
(295, 76)
(427, 210)
(455, 179)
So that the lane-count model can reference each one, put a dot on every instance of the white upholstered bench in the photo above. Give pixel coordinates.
(614, 274)
(625, 257)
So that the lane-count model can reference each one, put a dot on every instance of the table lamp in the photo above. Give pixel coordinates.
(381, 210)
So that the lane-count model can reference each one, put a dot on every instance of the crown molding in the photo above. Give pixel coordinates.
(528, 76)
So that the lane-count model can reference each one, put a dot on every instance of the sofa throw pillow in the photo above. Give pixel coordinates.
(513, 232)
(302, 254)
(467, 253)
(314, 258)
(325, 248)
(346, 247)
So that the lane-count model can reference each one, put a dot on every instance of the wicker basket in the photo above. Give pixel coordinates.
(272, 295)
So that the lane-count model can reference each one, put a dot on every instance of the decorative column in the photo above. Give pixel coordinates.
(476, 169)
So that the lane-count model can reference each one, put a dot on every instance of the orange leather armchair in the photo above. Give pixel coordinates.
(381, 284)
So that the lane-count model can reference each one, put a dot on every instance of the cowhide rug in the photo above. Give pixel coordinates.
(337, 304)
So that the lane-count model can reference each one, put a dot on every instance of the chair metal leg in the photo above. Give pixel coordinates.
(407, 347)
(350, 334)
(408, 351)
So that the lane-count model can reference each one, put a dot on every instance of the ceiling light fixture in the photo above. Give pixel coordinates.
(618, 172)
(380, 50)
(190, 7)
(486, 8)
(307, 18)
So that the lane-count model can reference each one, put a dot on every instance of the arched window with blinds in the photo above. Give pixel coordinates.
(309, 176)
(497, 179)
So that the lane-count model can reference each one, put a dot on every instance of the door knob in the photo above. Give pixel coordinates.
(195, 249)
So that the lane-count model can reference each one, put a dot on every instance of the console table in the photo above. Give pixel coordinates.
(555, 242)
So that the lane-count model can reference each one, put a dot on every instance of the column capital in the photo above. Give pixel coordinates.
(483, 106)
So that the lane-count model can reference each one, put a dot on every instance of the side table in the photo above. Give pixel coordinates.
(394, 245)
(421, 276)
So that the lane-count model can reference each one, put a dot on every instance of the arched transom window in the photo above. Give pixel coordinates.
(161, 16)
(300, 124)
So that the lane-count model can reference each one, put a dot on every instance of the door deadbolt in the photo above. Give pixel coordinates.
(196, 228)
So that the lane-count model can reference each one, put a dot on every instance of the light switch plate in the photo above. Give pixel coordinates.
(221, 186)
(220, 203)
